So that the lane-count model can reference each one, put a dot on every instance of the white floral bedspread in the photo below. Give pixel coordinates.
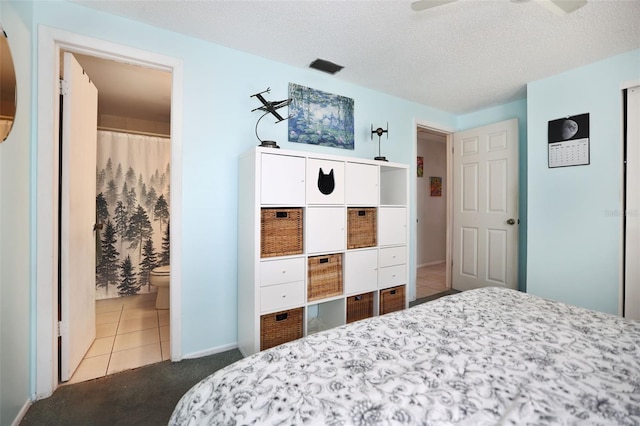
(481, 357)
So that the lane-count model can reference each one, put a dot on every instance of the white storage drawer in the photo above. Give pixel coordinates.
(360, 271)
(282, 180)
(281, 271)
(392, 256)
(325, 181)
(392, 276)
(281, 296)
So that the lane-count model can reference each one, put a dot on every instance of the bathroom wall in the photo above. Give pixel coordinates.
(132, 124)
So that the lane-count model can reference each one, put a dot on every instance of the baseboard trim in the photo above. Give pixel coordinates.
(22, 413)
(437, 262)
(211, 351)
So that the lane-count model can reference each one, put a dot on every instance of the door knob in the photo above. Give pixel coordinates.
(511, 221)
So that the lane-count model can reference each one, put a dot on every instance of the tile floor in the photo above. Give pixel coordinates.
(431, 280)
(130, 333)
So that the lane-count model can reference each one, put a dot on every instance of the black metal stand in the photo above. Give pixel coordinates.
(269, 144)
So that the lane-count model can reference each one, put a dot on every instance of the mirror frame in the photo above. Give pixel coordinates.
(8, 87)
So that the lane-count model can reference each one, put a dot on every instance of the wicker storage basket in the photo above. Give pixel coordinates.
(280, 232)
(280, 327)
(361, 227)
(359, 307)
(392, 299)
(324, 276)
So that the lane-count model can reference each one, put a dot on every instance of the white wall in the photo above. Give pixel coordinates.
(432, 211)
(575, 213)
(15, 233)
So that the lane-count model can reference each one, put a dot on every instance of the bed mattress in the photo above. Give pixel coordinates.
(482, 357)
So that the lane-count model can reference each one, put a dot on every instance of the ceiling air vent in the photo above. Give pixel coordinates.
(325, 66)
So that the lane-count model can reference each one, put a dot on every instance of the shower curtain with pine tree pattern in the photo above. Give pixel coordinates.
(132, 204)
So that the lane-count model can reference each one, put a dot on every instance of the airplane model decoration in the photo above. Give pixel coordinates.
(269, 108)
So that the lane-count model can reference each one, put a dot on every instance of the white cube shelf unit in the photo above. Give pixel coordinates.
(345, 202)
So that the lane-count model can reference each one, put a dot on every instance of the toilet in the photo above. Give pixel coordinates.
(159, 277)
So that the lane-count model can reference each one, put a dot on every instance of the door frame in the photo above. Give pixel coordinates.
(623, 202)
(447, 132)
(50, 42)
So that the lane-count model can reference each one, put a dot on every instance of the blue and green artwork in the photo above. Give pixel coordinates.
(320, 118)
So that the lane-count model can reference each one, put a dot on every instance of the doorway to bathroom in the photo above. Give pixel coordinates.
(50, 329)
(132, 219)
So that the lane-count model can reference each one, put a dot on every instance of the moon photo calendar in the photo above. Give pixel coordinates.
(569, 141)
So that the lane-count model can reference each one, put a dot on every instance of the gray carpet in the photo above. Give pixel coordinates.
(433, 297)
(143, 396)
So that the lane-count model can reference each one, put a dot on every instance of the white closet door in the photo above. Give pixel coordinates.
(632, 240)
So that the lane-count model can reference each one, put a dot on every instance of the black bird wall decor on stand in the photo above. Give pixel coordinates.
(379, 131)
(269, 108)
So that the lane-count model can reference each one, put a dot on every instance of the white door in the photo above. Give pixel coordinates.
(485, 207)
(77, 216)
(632, 218)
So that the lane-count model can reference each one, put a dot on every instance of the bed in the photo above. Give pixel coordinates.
(482, 357)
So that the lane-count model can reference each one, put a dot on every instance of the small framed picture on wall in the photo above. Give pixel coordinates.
(436, 186)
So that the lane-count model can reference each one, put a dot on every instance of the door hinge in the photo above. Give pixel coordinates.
(59, 328)
(64, 87)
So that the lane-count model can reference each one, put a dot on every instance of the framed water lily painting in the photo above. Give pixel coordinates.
(320, 118)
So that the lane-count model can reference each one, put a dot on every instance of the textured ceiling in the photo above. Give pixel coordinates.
(458, 57)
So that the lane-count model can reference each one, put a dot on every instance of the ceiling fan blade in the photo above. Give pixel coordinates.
(562, 7)
(428, 4)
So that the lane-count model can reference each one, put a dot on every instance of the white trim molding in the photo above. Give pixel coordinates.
(629, 84)
(22, 413)
(212, 351)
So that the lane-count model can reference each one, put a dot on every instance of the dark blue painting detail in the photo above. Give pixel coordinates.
(326, 182)
(320, 118)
